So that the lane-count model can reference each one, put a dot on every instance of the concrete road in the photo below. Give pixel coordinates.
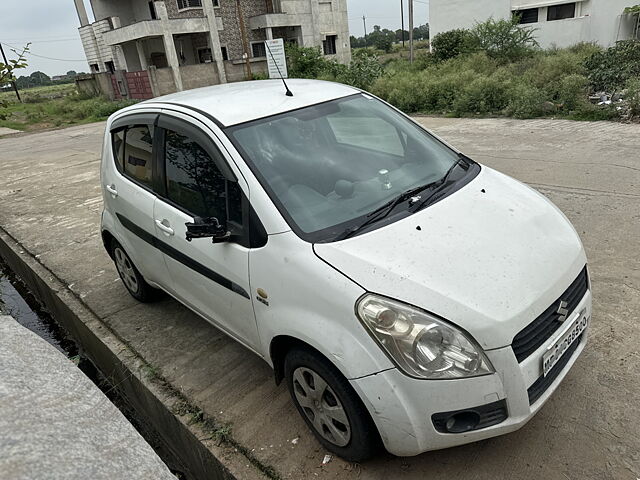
(590, 429)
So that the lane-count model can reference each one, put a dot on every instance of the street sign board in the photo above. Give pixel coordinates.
(276, 59)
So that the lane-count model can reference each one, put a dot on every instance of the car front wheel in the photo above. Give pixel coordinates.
(330, 406)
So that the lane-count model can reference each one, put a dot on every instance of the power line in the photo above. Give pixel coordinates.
(42, 56)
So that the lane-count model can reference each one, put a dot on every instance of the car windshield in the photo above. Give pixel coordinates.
(328, 166)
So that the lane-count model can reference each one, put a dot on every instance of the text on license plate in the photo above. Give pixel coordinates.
(555, 352)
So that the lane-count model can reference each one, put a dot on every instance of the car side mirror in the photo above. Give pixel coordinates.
(207, 227)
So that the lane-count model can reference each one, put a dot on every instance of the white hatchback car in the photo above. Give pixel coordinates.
(406, 294)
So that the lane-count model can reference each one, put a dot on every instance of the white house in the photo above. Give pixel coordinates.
(556, 22)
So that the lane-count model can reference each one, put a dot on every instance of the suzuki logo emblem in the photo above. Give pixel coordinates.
(562, 311)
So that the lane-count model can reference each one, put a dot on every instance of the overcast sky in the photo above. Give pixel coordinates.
(52, 29)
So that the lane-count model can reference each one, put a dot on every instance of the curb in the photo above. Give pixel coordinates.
(193, 441)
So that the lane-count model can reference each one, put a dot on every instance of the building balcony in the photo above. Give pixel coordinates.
(154, 28)
(273, 20)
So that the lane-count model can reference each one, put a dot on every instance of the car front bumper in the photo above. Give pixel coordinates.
(402, 407)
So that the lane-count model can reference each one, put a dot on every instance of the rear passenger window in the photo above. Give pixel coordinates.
(118, 149)
(138, 154)
(195, 183)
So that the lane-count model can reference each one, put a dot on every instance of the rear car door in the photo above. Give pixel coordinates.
(129, 184)
(211, 278)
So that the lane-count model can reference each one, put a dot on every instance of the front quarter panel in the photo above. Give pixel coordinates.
(312, 302)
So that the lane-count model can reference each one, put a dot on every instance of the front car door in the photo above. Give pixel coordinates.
(211, 278)
(129, 183)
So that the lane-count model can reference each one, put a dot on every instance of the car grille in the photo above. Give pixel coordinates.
(540, 386)
(540, 330)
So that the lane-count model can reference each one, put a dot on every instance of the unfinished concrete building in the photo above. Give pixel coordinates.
(151, 48)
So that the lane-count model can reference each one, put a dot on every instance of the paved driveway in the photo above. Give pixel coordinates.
(590, 429)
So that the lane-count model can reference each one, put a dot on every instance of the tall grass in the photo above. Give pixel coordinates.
(547, 82)
(55, 106)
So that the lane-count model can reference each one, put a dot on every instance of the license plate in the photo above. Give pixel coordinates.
(555, 352)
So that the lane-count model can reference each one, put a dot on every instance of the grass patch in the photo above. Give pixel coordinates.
(544, 83)
(54, 106)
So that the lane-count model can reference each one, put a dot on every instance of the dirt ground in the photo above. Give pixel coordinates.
(590, 429)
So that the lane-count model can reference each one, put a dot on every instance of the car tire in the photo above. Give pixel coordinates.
(330, 406)
(131, 278)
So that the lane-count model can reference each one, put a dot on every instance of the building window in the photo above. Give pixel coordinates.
(94, 68)
(529, 15)
(258, 50)
(204, 55)
(325, 7)
(182, 4)
(560, 12)
(111, 68)
(329, 45)
(225, 55)
(152, 11)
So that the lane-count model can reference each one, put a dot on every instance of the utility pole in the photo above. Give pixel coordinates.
(15, 87)
(245, 41)
(402, 17)
(411, 31)
(364, 20)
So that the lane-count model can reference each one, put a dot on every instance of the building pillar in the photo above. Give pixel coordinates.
(144, 65)
(82, 12)
(169, 45)
(269, 33)
(214, 39)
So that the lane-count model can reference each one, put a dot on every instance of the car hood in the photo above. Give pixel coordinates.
(489, 258)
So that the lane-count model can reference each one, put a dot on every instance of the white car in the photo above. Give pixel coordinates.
(408, 295)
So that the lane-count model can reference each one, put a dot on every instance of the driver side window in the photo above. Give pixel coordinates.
(195, 183)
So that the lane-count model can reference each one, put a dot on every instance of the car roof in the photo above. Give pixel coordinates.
(240, 102)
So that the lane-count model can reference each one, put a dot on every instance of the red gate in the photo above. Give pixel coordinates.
(137, 85)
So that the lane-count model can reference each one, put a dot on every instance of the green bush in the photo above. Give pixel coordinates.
(633, 97)
(364, 69)
(483, 95)
(610, 70)
(305, 62)
(450, 44)
(572, 92)
(505, 40)
(525, 101)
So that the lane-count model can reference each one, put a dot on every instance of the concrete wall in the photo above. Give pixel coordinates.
(201, 75)
(162, 81)
(599, 21)
(236, 70)
(445, 15)
(230, 34)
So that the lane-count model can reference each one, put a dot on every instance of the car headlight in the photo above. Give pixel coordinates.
(421, 345)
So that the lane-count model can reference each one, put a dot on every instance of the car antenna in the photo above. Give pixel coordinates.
(289, 92)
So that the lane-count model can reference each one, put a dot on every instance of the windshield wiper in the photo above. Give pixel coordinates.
(383, 211)
(440, 185)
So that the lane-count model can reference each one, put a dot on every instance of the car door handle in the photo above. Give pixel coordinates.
(168, 230)
(112, 190)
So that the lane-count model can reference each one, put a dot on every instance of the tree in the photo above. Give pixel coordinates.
(450, 44)
(505, 40)
(400, 36)
(40, 78)
(7, 69)
(71, 73)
